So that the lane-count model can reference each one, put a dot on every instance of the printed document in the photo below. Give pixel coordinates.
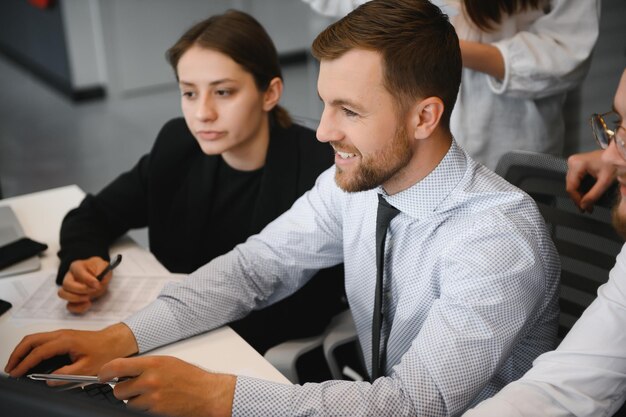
(126, 295)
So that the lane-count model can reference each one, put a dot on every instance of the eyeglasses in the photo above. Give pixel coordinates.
(604, 135)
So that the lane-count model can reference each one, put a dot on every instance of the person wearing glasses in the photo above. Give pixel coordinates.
(586, 374)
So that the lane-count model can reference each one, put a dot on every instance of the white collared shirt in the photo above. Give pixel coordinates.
(471, 281)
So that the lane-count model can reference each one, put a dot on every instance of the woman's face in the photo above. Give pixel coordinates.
(223, 107)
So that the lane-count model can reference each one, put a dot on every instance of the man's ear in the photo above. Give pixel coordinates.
(425, 117)
(272, 95)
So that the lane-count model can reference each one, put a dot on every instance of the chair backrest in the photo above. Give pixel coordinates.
(587, 243)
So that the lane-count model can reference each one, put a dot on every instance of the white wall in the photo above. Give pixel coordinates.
(83, 38)
(121, 44)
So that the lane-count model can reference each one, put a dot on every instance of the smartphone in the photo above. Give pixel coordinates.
(19, 250)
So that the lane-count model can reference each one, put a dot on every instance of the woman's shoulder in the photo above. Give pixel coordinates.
(299, 146)
(175, 136)
(174, 142)
(175, 132)
(306, 140)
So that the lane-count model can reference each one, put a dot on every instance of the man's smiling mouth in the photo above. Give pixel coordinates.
(345, 155)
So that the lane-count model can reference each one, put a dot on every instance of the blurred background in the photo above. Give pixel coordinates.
(84, 85)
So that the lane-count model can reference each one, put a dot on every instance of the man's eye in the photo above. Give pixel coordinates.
(188, 94)
(349, 112)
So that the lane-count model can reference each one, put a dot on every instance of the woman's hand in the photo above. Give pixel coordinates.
(80, 285)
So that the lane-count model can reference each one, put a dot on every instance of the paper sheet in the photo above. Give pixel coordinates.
(137, 261)
(126, 294)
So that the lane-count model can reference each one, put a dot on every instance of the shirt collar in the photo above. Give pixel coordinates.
(425, 196)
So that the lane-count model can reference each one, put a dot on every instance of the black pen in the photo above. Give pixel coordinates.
(110, 267)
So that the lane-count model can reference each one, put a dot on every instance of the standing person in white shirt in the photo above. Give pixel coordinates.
(520, 59)
(586, 374)
(467, 279)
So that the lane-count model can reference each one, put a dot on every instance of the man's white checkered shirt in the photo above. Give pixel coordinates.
(471, 280)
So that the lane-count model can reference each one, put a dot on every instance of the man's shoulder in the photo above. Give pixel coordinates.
(481, 180)
(485, 208)
(484, 195)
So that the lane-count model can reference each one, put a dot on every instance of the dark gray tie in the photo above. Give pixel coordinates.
(386, 212)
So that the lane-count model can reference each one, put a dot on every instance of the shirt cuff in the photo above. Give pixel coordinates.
(154, 326)
(257, 397)
(496, 85)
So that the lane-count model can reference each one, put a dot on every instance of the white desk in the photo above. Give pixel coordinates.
(40, 214)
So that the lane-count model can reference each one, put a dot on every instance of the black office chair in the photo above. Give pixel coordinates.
(587, 243)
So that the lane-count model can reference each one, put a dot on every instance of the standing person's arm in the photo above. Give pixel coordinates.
(482, 57)
(553, 54)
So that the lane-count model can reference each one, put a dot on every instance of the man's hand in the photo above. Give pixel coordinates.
(80, 285)
(581, 165)
(88, 350)
(166, 385)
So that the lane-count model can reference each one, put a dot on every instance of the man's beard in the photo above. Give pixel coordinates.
(377, 169)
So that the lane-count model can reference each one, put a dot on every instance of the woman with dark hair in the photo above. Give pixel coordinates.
(234, 163)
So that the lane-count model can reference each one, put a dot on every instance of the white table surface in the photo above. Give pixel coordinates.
(40, 214)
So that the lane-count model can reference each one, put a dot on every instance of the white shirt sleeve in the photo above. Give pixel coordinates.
(265, 269)
(552, 54)
(586, 374)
